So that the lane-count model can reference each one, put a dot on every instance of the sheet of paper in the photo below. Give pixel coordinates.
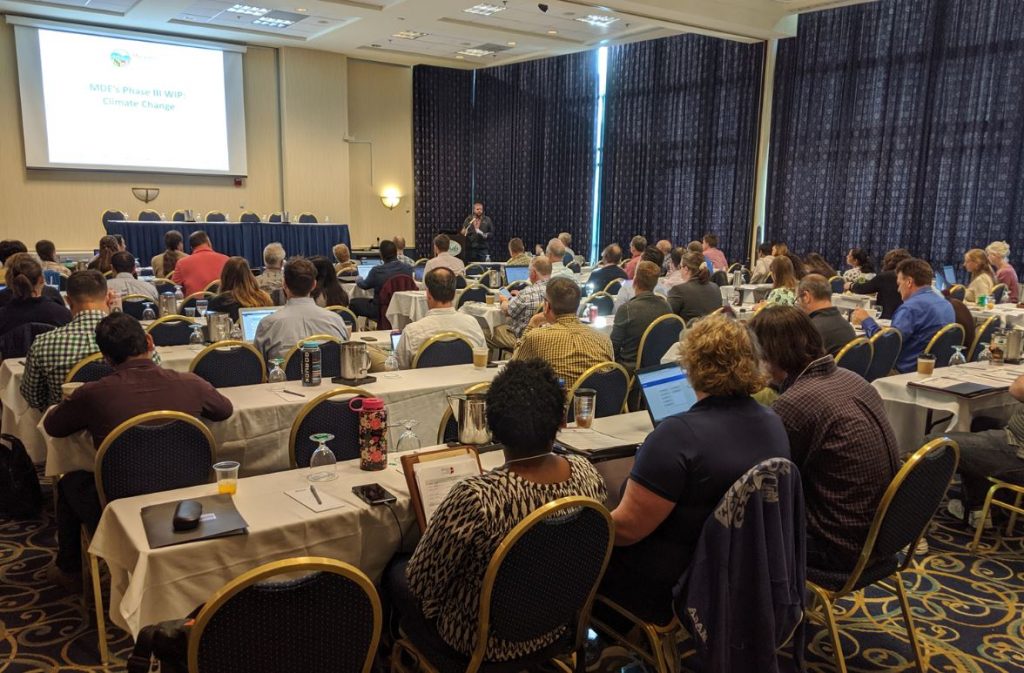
(305, 497)
(435, 478)
(588, 439)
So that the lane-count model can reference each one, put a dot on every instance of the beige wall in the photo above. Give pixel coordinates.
(380, 111)
(324, 97)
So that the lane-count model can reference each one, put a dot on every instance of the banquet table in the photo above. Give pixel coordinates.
(246, 239)
(1008, 314)
(152, 585)
(411, 305)
(256, 434)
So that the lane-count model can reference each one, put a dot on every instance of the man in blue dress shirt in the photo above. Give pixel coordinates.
(923, 313)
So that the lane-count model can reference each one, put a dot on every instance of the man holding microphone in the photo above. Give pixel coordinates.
(477, 229)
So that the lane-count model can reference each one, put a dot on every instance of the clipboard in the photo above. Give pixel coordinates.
(408, 469)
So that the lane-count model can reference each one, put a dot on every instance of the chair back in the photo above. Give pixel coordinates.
(327, 619)
(190, 301)
(604, 302)
(112, 215)
(216, 216)
(153, 452)
(226, 364)
(908, 504)
(941, 345)
(274, 218)
(475, 292)
(572, 532)
(613, 286)
(574, 267)
(399, 283)
(171, 330)
(611, 381)
(330, 357)
(982, 336)
(149, 216)
(249, 216)
(837, 283)
(856, 356)
(658, 338)
(517, 285)
(958, 292)
(998, 292)
(213, 287)
(328, 412)
(475, 270)
(164, 285)
(886, 345)
(15, 343)
(179, 215)
(307, 218)
(346, 314)
(135, 304)
(442, 350)
(90, 368)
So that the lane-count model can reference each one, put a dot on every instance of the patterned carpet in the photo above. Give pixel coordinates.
(969, 610)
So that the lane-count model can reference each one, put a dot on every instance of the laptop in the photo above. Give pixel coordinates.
(514, 274)
(949, 271)
(417, 271)
(666, 390)
(251, 318)
(364, 268)
(940, 281)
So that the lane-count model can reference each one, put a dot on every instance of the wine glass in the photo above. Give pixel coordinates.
(147, 312)
(985, 355)
(407, 441)
(277, 377)
(195, 340)
(322, 464)
(201, 306)
(957, 358)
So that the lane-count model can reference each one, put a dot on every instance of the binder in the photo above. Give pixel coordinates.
(220, 519)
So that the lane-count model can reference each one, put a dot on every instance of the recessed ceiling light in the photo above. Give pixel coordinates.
(511, 44)
(248, 9)
(552, 32)
(475, 52)
(410, 35)
(484, 9)
(597, 20)
(273, 23)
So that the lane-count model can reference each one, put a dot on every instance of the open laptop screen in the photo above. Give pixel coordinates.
(667, 391)
(251, 318)
(949, 271)
(364, 268)
(516, 273)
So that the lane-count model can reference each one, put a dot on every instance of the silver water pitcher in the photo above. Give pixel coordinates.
(470, 411)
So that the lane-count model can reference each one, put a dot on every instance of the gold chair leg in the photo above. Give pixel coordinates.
(1013, 515)
(97, 595)
(911, 632)
(833, 629)
(981, 520)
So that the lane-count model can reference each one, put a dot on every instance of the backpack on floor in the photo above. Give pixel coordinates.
(20, 495)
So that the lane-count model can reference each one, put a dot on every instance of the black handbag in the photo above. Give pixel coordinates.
(166, 643)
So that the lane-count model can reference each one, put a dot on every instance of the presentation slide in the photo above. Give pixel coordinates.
(120, 102)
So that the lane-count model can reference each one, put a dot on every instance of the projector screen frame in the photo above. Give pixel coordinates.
(32, 103)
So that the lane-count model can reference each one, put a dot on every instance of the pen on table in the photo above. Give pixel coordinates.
(292, 392)
(312, 489)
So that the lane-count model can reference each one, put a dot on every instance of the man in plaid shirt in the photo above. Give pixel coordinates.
(523, 306)
(54, 353)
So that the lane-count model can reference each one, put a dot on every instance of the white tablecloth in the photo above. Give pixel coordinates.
(411, 305)
(256, 434)
(354, 291)
(1009, 314)
(488, 315)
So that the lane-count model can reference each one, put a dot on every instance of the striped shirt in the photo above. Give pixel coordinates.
(569, 346)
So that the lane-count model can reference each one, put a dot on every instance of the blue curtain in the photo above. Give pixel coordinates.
(442, 105)
(681, 141)
(900, 123)
(533, 144)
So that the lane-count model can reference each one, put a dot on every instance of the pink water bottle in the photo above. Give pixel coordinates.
(373, 432)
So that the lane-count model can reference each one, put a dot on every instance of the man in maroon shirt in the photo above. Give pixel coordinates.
(201, 268)
(136, 386)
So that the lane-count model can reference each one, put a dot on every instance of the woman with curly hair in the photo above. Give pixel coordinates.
(688, 463)
(238, 289)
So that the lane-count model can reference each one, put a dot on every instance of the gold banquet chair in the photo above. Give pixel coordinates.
(856, 356)
(886, 345)
(1014, 508)
(901, 520)
(941, 345)
(268, 620)
(226, 364)
(90, 368)
(442, 350)
(327, 412)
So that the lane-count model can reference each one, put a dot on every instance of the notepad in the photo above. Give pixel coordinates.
(305, 497)
(435, 479)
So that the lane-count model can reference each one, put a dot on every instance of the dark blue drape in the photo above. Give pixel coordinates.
(900, 123)
(680, 141)
(533, 143)
(442, 155)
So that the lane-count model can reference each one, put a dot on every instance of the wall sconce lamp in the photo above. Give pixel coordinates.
(390, 198)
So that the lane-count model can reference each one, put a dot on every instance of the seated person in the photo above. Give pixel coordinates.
(713, 254)
(27, 305)
(54, 354)
(839, 436)
(923, 312)
(687, 464)
(438, 592)
(814, 296)
(556, 255)
(522, 307)
(860, 266)
(440, 317)
(633, 317)
(163, 263)
(607, 270)
(666, 248)
(626, 291)
(108, 247)
(400, 255)
(47, 252)
(517, 253)
(124, 280)
(9, 248)
(328, 290)
(346, 266)
(300, 317)
(195, 272)
(570, 255)
(997, 452)
(443, 258)
(696, 296)
(559, 338)
(272, 277)
(375, 279)
(784, 282)
(982, 279)
(762, 271)
(884, 285)
(136, 386)
(14, 251)
(637, 245)
(238, 289)
(815, 263)
(998, 252)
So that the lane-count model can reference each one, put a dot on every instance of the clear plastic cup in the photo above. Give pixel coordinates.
(584, 403)
(227, 476)
(480, 357)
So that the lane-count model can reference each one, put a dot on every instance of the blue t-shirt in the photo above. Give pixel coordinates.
(918, 319)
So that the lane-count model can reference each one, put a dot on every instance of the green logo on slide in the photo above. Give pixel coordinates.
(120, 58)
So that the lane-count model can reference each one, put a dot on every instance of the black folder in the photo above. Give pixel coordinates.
(158, 520)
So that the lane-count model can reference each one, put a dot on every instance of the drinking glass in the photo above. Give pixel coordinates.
(201, 306)
(190, 312)
(584, 403)
(195, 340)
(147, 312)
(277, 377)
(407, 441)
(985, 355)
(957, 358)
(322, 464)
(227, 476)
